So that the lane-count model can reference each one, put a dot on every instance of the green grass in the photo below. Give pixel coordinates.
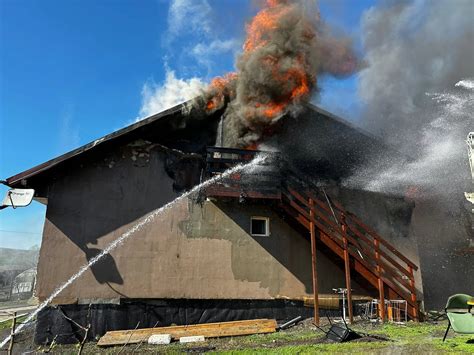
(8, 324)
(412, 338)
(428, 335)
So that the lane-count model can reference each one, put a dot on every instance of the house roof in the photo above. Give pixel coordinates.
(91, 145)
(37, 170)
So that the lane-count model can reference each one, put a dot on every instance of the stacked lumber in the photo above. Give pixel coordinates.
(208, 330)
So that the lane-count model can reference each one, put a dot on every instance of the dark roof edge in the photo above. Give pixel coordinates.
(55, 161)
(91, 145)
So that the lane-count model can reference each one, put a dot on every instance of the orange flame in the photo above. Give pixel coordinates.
(289, 80)
(259, 31)
(220, 87)
(262, 25)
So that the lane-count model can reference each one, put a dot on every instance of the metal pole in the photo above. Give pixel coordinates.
(343, 305)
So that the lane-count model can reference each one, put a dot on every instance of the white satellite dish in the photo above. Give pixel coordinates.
(18, 198)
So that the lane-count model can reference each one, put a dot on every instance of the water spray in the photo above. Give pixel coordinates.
(259, 159)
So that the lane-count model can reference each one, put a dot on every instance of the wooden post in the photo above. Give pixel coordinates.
(380, 281)
(314, 262)
(347, 267)
(12, 334)
(413, 293)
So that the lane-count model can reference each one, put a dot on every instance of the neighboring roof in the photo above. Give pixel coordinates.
(36, 170)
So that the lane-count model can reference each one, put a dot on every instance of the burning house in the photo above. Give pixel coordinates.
(254, 243)
(238, 249)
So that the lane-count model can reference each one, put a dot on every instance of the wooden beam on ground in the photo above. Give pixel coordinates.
(314, 267)
(208, 330)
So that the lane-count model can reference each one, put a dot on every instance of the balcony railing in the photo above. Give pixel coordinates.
(262, 181)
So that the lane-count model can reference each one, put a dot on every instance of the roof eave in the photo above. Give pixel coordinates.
(15, 179)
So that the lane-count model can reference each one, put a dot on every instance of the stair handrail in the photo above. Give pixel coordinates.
(369, 253)
(357, 220)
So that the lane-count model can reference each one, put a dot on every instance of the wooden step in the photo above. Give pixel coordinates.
(375, 270)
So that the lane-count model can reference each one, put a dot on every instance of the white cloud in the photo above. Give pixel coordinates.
(68, 131)
(191, 22)
(215, 47)
(173, 91)
(204, 51)
(189, 15)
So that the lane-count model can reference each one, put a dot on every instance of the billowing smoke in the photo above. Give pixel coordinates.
(417, 55)
(157, 98)
(286, 48)
(440, 164)
(413, 48)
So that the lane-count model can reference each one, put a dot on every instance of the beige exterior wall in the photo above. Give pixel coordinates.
(200, 251)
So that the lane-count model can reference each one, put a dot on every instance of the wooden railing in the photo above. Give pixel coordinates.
(361, 248)
(261, 183)
(374, 257)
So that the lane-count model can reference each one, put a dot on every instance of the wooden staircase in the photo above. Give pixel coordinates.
(360, 247)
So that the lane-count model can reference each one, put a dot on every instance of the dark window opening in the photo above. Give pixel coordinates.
(259, 226)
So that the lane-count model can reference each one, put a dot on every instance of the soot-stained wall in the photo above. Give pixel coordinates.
(200, 251)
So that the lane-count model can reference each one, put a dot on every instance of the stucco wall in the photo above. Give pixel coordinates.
(192, 251)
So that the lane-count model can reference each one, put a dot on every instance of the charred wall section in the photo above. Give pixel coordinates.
(321, 145)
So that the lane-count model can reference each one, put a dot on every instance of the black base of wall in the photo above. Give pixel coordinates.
(130, 314)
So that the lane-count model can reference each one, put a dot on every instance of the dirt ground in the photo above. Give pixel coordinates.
(304, 338)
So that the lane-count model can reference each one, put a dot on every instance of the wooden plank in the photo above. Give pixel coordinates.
(358, 266)
(347, 269)
(331, 234)
(227, 160)
(233, 150)
(379, 275)
(380, 283)
(383, 241)
(320, 203)
(314, 264)
(332, 301)
(413, 294)
(229, 192)
(374, 234)
(208, 330)
(317, 223)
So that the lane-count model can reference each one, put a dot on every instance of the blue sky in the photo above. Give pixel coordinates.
(72, 71)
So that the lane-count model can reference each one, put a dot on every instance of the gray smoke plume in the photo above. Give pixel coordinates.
(413, 48)
(440, 166)
(287, 47)
(417, 53)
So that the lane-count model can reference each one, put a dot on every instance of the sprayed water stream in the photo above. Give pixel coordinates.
(138, 226)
